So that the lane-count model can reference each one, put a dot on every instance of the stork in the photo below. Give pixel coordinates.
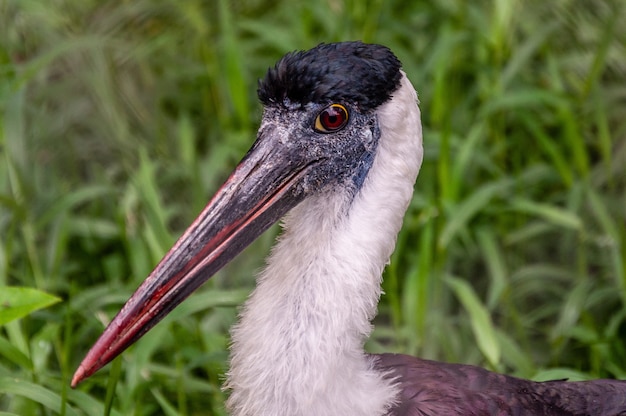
(336, 157)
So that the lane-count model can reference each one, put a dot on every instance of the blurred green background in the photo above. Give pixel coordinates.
(118, 119)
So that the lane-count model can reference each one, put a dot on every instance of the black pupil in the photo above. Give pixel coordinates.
(333, 118)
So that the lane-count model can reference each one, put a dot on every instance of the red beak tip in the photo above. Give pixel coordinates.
(79, 376)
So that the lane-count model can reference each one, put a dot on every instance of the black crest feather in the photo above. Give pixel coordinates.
(355, 72)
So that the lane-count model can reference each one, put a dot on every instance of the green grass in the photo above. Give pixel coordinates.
(119, 119)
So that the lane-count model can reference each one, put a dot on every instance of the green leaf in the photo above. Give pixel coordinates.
(12, 353)
(36, 393)
(461, 214)
(482, 327)
(17, 302)
(88, 404)
(550, 213)
(166, 406)
(560, 374)
(496, 265)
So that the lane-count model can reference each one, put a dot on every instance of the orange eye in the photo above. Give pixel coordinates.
(332, 118)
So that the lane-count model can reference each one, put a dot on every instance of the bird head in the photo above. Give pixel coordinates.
(320, 131)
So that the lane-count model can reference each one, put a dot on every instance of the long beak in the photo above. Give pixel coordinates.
(263, 187)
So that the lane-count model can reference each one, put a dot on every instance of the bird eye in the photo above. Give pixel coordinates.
(332, 118)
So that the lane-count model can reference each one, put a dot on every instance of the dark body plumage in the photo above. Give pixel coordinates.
(431, 388)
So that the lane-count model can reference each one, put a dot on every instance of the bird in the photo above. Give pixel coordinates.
(335, 159)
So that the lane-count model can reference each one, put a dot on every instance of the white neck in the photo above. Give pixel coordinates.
(298, 349)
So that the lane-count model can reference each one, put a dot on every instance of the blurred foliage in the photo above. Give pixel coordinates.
(118, 119)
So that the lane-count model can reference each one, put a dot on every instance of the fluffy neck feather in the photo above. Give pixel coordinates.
(298, 349)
